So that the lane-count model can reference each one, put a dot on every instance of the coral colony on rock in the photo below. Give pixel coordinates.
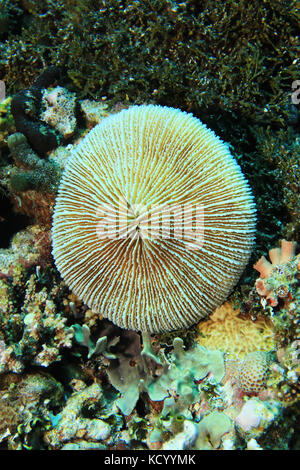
(149, 166)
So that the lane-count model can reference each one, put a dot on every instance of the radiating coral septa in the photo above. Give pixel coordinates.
(263, 266)
(288, 251)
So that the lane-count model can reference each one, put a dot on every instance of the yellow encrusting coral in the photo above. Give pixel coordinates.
(230, 332)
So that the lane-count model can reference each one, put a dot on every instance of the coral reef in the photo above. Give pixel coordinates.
(32, 328)
(279, 289)
(59, 110)
(26, 405)
(28, 179)
(228, 387)
(279, 278)
(178, 378)
(120, 394)
(44, 118)
(230, 63)
(69, 378)
(236, 334)
(253, 373)
(41, 174)
(25, 108)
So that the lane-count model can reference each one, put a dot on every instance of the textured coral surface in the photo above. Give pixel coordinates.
(72, 380)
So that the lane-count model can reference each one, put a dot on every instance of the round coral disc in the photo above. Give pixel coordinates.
(154, 221)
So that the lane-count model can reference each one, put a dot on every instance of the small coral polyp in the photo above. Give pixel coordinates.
(276, 278)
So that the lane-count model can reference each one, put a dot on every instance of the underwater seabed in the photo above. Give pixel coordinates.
(70, 379)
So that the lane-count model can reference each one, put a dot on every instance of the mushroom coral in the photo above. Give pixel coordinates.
(154, 221)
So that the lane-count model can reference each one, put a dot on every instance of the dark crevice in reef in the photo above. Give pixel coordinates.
(10, 222)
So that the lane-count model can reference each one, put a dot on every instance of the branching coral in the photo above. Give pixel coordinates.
(42, 332)
(82, 336)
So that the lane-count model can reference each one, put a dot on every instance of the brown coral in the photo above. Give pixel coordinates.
(253, 373)
(237, 335)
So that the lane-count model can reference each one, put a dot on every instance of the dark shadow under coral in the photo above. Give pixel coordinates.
(10, 222)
